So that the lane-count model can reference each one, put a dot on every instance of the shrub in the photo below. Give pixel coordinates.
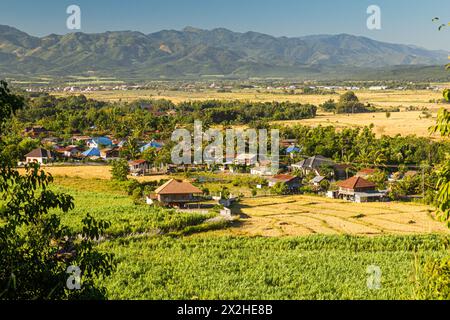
(434, 280)
(307, 189)
(280, 188)
(119, 170)
(137, 196)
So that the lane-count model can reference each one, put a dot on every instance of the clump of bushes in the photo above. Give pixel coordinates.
(434, 282)
(119, 170)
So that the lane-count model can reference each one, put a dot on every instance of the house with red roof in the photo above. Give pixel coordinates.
(359, 190)
(175, 193)
(292, 182)
(138, 167)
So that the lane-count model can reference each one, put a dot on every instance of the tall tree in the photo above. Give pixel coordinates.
(36, 251)
(443, 171)
(443, 127)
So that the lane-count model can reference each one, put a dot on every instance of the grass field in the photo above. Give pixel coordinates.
(108, 201)
(258, 258)
(315, 267)
(91, 172)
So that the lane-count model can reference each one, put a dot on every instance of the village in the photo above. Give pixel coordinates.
(186, 186)
(217, 153)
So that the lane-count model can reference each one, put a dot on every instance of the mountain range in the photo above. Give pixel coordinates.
(194, 53)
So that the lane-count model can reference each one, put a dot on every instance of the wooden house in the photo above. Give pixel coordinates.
(358, 189)
(138, 167)
(175, 193)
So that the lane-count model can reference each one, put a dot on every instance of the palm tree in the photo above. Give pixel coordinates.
(364, 157)
(347, 159)
(378, 157)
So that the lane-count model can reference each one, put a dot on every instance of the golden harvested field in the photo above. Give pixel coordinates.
(417, 98)
(404, 123)
(305, 215)
(90, 172)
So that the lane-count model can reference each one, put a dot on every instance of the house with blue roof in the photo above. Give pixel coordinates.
(292, 150)
(151, 144)
(99, 142)
(92, 152)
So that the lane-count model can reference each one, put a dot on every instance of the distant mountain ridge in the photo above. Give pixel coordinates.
(192, 53)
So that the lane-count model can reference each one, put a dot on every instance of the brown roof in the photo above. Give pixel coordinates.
(40, 153)
(356, 182)
(177, 187)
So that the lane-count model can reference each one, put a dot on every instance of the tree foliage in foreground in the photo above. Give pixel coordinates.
(443, 172)
(36, 250)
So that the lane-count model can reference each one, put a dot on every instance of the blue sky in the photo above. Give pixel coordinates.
(403, 21)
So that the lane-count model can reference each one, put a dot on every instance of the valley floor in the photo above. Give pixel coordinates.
(250, 260)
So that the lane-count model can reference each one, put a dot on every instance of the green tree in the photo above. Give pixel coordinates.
(436, 283)
(119, 170)
(324, 185)
(446, 94)
(225, 193)
(9, 103)
(443, 171)
(443, 187)
(131, 148)
(379, 177)
(150, 155)
(280, 188)
(349, 103)
(328, 106)
(36, 250)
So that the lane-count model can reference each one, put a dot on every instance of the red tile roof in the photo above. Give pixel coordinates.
(355, 183)
(177, 187)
